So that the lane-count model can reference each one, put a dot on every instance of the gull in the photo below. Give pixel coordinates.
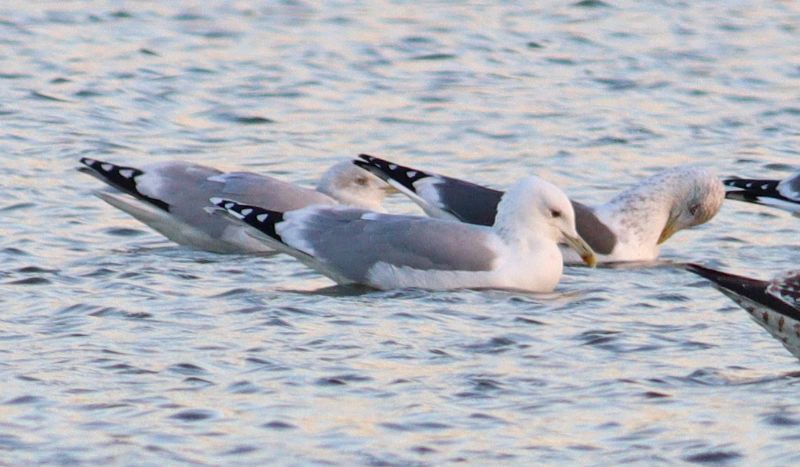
(629, 227)
(775, 304)
(171, 197)
(783, 194)
(355, 246)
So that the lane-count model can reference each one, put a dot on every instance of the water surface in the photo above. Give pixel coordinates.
(120, 347)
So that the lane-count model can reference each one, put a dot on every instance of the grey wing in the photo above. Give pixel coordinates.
(468, 202)
(247, 188)
(351, 241)
(267, 192)
(790, 187)
(186, 189)
(178, 184)
(597, 234)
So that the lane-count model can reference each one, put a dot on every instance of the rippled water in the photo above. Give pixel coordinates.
(119, 347)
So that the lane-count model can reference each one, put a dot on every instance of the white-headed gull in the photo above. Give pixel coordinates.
(171, 198)
(520, 251)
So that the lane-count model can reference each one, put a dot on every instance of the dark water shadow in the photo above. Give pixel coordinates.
(349, 290)
(654, 264)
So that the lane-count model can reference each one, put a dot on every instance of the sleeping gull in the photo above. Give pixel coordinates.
(630, 227)
(783, 194)
(775, 304)
(171, 197)
(383, 251)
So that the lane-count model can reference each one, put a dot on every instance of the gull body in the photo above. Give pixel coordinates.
(171, 197)
(520, 251)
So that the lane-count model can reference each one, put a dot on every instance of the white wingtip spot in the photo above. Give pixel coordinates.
(412, 173)
(215, 200)
(127, 173)
(229, 205)
(370, 216)
(262, 217)
(247, 211)
(86, 160)
(107, 167)
(218, 178)
(392, 166)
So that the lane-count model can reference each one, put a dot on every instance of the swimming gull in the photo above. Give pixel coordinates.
(385, 251)
(775, 304)
(630, 227)
(171, 198)
(783, 194)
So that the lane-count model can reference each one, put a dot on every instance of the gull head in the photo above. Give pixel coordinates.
(697, 196)
(351, 185)
(535, 208)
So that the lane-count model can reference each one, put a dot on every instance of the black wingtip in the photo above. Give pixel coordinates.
(263, 220)
(91, 165)
(723, 279)
(751, 183)
(387, 170)
(372, 169)
(714, 275)
(366, 161)
(748, 189)
(120, 177)
(736, 287)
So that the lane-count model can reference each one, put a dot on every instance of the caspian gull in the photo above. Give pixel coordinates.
(519, 251)
(171, 198)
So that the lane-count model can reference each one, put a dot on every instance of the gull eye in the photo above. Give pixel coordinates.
(555, 213)
(361, 181)
(693, 209)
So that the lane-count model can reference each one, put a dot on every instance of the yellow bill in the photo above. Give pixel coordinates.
(584, 250)
(669, 230)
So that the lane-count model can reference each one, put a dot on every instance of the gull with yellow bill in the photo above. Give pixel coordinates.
(355, 246)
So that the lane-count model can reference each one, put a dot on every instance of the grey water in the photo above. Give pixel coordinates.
(119, 347)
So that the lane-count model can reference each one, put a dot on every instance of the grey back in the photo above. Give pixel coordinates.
(352, 245)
